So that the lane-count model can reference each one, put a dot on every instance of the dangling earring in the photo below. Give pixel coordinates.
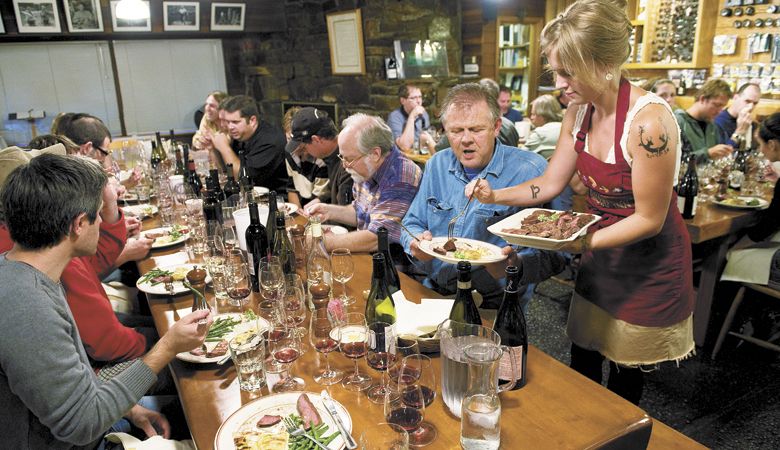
(609, 76)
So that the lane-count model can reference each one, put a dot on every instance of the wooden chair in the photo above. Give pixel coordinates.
(733, 311)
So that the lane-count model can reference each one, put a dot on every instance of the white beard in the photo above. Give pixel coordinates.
(357, 178)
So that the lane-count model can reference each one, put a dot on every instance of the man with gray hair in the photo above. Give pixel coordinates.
(472, 121)
(385, 184)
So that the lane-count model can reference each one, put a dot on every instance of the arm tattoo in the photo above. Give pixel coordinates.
(649, 145)
(534, 191)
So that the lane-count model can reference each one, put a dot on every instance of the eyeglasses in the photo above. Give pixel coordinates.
(101, 150)
(348, 163)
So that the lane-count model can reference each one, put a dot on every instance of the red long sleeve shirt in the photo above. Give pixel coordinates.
(104, 337)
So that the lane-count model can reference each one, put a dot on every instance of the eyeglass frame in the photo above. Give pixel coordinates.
(349, 164)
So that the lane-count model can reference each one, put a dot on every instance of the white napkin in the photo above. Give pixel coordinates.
(422, 318)
(156, 442)
(173, 259)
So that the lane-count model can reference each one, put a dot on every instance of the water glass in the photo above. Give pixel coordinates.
(384, 436)
(248, 355)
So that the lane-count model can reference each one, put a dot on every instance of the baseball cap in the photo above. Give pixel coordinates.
(306, 123)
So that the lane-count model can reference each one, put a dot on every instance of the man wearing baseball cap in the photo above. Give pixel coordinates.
(316, 173)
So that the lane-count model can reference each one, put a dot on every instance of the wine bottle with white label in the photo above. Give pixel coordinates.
(510, 326)
(464, 309)
(379, 305)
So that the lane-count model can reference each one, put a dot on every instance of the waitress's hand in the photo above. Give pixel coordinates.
(578, 246)
(481, 191)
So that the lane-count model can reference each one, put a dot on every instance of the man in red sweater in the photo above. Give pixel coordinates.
(105, 339)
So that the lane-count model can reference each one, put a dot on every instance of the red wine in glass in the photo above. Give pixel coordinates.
(326, 345)
(409, 375)
(275, 335)
(380, 360)
(354, 350)
(412, 397)
(239, 293)
(286, 355)
(405, 417)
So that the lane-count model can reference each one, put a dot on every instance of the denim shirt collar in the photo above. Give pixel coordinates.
(494, 167)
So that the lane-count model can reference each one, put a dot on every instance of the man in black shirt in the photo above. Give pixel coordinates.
(257, 150)
(316, 172)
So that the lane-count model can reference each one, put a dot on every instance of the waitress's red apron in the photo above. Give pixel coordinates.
(648, 283)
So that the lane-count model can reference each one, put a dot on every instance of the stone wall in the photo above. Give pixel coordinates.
(295, 65)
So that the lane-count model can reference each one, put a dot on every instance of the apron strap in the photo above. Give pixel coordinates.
(579, 145)
(624, 97)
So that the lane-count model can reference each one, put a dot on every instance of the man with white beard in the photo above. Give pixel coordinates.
(385, 184)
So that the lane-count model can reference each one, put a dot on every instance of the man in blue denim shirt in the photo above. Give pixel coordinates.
(472, 120)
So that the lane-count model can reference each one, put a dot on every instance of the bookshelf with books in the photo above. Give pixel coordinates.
(517, 58)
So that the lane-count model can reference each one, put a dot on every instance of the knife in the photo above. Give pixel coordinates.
(331, 408)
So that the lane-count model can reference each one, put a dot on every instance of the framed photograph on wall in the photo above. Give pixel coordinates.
(37, 16)
(83, 16)
(227, 16)
(129, 24)
(345, 38)
(181, 16)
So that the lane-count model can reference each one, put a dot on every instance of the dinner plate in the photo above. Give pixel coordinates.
(128, 197)
(143, 210)
(761, 203)
(159, 288)
(245, 325)
(515, 220)
(335, 229)
(494, 252)
(162, 244)
(282, 404)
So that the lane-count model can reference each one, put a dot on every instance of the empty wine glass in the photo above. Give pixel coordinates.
(417, 388)
(229, 238)
(294, 304)
(325, 336)
(381, 356)
(271, 280)
(354, 345)
(342, 269)
(286, 350)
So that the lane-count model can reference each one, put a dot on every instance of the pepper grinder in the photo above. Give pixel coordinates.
(197, 281)
(320, 296)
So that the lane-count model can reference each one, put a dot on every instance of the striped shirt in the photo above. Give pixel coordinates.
(383, 200)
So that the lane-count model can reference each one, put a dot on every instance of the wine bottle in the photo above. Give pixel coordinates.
(212, 210)
(193, 179)
(393, 281)
(283, 248)
(231, 187)
(163, 155)
(379, 305)
(464, 309)
(318, 259)
(510, 326)
(179, 163)
(214, 177)
(185, 152)
(158, 156)
(256, 244)
(270, 222)
(687, 190)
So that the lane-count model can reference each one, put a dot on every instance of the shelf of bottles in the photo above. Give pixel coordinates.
(673, 37)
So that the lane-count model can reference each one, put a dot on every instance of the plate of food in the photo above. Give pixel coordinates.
(167, 236)
(742, 202)
(224, 328)
(260, 425)
(128, 197)
(462, 249)
(142, 211)
(546, 229)
(153, 281)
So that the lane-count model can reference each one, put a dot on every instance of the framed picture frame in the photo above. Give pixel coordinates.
(228, 16)
(345, 39)
(83, 16)
(37, 16)
(132, 25)
(181, 16)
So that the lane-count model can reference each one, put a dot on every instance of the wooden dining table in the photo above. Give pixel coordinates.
(714, 229)
(557, 408)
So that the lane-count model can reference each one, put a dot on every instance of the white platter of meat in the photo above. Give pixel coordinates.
(258, 418)
(546, 229)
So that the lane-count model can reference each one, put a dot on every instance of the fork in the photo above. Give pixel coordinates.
(451, 224)
(299, 431)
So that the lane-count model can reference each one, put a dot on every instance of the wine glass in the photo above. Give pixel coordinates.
(271, 279)
(286, 350)
(354, 345)
(417, 386)
(384, 436)
(406, 345)
(238, 283)
(294, 304)
(342, 269)
(229, 238)
(398, 412)
(381, 356)
(325, 337)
